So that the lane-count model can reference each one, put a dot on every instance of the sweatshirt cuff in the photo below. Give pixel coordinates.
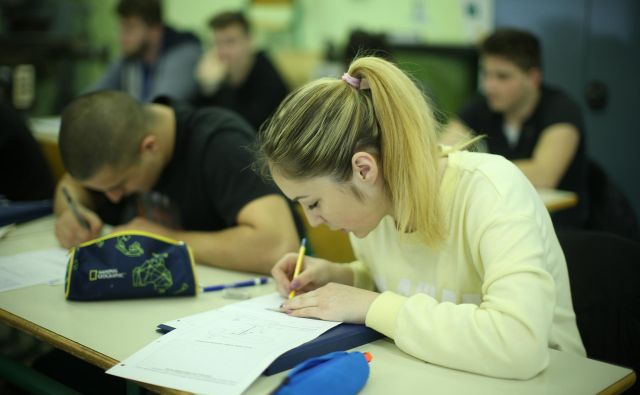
(383, 313)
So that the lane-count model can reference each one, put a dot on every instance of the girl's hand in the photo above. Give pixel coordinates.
(332, 302)
(315, 272)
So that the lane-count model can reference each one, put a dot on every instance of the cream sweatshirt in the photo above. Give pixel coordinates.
(494, 296)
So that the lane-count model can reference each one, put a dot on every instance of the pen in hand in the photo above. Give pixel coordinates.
(296, 272)
(74, 209)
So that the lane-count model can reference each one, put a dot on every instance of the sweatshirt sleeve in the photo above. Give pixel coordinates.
(507, 334)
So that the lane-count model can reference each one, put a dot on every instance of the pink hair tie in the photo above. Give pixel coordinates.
(354, 82)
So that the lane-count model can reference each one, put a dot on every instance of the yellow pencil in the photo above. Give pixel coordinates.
(296, 272)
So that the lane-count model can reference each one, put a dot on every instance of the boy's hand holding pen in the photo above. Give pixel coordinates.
(77, 224)
(74, 209)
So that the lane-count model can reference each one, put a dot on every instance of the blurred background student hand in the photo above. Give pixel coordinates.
(210, 72)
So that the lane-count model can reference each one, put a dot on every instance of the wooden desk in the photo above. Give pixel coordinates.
(104, 333)
(556, 200)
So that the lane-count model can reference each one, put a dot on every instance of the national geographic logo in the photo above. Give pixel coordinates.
(105, 274)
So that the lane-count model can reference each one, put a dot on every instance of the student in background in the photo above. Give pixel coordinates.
(156, 59)
(458, 261)
(25, 173)
(536, 126)
(232, 75)
(177, 172)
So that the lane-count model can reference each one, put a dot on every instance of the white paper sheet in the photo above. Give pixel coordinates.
(221, 351)
(268, 303)
(32, 268)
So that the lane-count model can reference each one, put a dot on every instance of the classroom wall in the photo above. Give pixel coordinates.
(418, 21)
(61, 39)
(313, 23)
(102, 28)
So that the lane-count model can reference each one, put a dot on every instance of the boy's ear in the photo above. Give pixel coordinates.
(149, 143)
(535, 74)
(365, 167)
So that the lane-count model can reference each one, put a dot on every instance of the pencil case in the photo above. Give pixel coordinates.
(336, 373)
(130, 264)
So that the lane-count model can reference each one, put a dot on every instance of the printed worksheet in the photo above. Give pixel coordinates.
(268, 302)
(221, 351)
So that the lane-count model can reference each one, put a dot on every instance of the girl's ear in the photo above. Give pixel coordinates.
(365, 167)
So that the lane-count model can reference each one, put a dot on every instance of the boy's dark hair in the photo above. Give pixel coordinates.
(99, 130)
(228, 18)
(518, 46)
(150, 11)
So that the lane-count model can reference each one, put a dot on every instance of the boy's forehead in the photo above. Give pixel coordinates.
(497, 59)
(105, 179)
(499, 62)
(233, 29)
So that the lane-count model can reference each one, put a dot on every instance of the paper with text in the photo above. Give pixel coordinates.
(221, 351)
(266, 302)
(32, 268)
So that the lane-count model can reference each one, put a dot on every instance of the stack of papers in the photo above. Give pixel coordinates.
(221, 351)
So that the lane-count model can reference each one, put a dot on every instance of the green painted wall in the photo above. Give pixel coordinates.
(102, 28)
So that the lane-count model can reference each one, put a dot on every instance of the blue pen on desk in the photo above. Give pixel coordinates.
(239, 284)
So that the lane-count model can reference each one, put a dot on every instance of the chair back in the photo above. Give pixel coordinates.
(604, 272)
(609, 209)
